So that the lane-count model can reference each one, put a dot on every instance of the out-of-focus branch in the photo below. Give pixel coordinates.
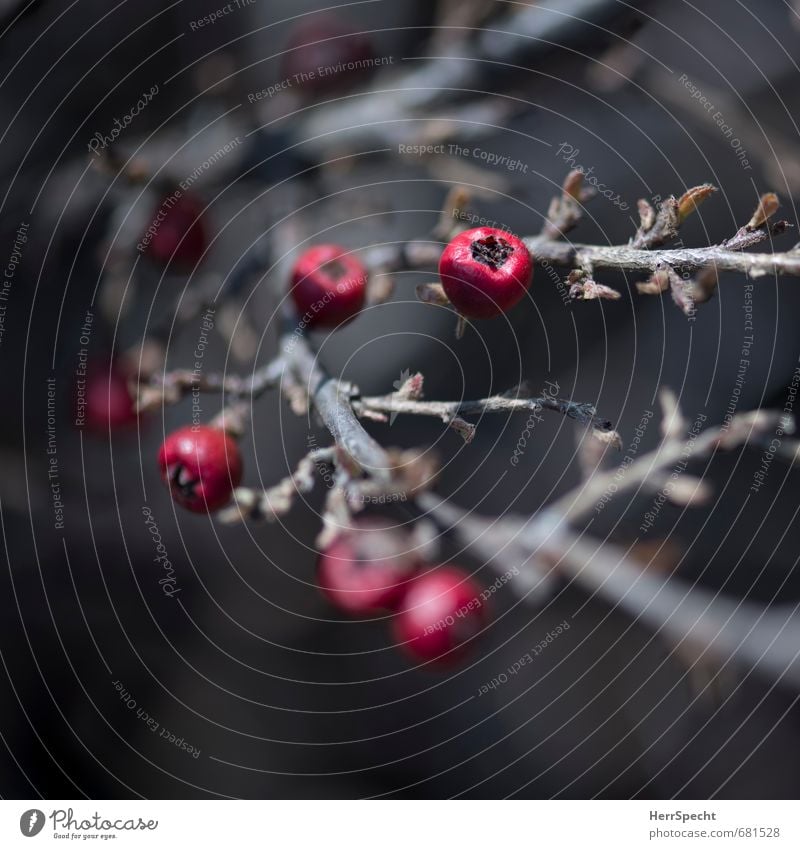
(477, 60)
(548, 545)
(171, 387)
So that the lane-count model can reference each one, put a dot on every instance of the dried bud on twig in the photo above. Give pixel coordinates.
(767, 207)
(691, 199)
(565, 210)
(453, 212)
(583, 288)
(657, 229)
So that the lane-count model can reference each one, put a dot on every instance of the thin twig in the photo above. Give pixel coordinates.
(452, 412)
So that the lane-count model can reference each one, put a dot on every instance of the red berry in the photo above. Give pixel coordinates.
(201, 465)
(485, 272)
(177, 232)
(324, 54)
(105, 402)
(441, 611)
(367, 568)
(328, 286)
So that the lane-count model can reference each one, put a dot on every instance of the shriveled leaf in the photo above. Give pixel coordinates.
(432, 293)
(681, 291)
(464, 429)
(379, 289)
(656, 284)
(589, 290)
(704, 285)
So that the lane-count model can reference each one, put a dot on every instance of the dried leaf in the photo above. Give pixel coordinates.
(767, 207)
(691, 199)
(682, 295)
(573, 184)
(453, 211)
(704, 285)
(379, 288)
(589, 290)
(432, 293)
(656, 284)
(464, 429)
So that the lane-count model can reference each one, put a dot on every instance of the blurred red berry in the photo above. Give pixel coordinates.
(201, 465)
(328, 286)
(485, 272)
(367, 568)
(441, 611)
(104, 402)
(323, 54)
(177, 232)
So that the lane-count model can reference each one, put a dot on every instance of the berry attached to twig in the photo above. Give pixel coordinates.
(485, 272)
(328, 286)
(202, 466)
(441, 612)
(367, 568)
(106, 403)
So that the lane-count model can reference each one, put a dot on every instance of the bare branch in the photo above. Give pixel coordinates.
(716, 628)
(452, 412)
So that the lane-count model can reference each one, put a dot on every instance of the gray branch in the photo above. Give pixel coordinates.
(711, 626)
(728, 256)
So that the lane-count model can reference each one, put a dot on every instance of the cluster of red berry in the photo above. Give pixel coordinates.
(367, 568)
(484, 273)
(370, 568)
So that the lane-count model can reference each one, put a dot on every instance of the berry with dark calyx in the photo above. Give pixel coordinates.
(485, 272)
(105, 402)
(177, 234)
(329, 286)
(367, 568)
(324, 54)
(441, 612)
(201, 465)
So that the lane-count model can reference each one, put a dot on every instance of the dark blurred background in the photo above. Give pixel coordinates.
(248, 664)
